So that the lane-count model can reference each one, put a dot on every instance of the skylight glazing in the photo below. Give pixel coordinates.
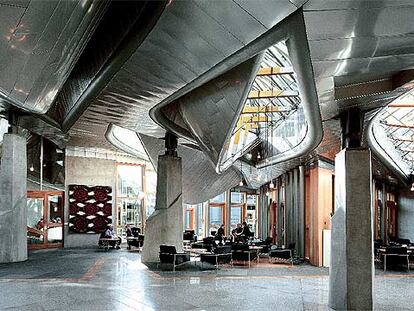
(272, 114)
(397, 120)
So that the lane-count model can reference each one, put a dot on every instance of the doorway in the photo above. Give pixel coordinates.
(44, 219)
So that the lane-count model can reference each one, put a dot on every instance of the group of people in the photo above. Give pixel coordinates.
(238, 235)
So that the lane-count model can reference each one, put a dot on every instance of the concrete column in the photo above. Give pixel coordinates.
(165, 225)
(13, 199)
(351, 270)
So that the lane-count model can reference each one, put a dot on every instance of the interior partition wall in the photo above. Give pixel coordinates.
(319, 206)
(282, 211)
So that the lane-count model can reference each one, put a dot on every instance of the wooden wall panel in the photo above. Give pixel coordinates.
(318, 207)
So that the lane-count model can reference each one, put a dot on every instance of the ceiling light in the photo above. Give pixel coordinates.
(412, 187)
(272, 185)
(241, 183)
(31, 168)
(258, 155)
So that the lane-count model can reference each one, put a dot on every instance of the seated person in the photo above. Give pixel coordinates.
(40, 224)
(128, 231)
(220, 234)
(233, 236)
(239, 229)
(109, 233)
(246, 230)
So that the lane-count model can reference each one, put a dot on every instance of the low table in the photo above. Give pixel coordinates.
(281, 251)
(257, 249)
(383, 251)
(133, 239)
(104, 242)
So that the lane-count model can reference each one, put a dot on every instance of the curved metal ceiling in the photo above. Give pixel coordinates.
(39, 44)
(355, 55)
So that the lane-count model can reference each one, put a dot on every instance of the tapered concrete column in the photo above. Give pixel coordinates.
(165, 225)
(351, 270)
(13, 201)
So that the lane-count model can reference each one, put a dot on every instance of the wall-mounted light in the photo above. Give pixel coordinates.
(412, 187)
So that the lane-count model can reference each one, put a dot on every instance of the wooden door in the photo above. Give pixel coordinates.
(45, 219)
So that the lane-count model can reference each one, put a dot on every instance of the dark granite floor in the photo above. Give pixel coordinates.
(116, 280)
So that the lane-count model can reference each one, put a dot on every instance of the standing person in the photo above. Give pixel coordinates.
(109, 233)
(220, 234)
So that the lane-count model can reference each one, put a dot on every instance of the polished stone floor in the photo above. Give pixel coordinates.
(116, 280)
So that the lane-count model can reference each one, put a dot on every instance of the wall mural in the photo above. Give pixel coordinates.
(90, 208)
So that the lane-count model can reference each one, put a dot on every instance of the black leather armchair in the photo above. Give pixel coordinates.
(282, 254)
(221, 255)
(189, 235)
(241, 252)
(169, 255)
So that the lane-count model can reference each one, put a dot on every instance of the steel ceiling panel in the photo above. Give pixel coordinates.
(361, 47)
(42, 48)
(244, 27)
(268, 12)
(46, 21)
(15, 3)
(185, 43)
(389, 21)
(212, 110)
(9, 19)
(314, 5)
(375, 66)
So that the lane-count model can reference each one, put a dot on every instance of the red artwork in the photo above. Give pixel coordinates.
(90, 208)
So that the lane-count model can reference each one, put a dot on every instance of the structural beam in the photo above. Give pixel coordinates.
(253, 119)
(401, 106)
(399, 125)
(262, 109)
(272, 94)
(271, 71)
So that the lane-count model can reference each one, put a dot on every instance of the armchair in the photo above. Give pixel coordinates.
(221, 255)
(169, 255)
(241, 252)
(283, 254)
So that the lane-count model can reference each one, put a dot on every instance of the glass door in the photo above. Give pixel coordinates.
(44, 219)
(35, 223)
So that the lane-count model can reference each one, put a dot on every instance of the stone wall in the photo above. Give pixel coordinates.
(91, 172)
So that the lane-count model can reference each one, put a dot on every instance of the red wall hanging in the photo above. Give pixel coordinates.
(90, 208)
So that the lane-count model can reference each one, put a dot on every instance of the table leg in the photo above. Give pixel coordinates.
(249, 259)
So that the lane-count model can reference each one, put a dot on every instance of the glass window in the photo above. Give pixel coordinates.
(237, 197)
(236, 216)
(129, 196)
(218, 199)
(150, 191)
(251, 199)
(200, 218)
